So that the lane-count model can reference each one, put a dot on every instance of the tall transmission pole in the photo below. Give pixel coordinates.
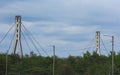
(17, 39)
(98, 42)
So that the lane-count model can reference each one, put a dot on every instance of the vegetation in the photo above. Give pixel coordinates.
(88, 64)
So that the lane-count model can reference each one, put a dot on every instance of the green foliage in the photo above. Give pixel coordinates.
(88, 64)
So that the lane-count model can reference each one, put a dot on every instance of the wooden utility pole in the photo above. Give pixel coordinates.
(6, 72)
(53, 59)
(112, 55)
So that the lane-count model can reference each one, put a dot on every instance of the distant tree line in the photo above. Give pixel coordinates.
(88, 64)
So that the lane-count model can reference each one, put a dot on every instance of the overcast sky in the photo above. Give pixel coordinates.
(68, 24)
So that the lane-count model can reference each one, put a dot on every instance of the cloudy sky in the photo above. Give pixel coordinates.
(70, 25)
